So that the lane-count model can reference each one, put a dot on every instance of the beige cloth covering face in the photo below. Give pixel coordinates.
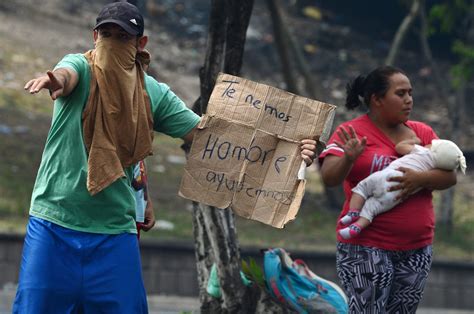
(117, 119)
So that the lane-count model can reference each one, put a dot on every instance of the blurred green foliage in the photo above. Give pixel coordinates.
(455, 17)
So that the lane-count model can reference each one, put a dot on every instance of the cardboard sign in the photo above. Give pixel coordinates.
(246, 152)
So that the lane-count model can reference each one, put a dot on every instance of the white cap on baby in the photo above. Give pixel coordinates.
(448, 156)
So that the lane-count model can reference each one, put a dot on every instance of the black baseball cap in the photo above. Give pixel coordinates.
(124, 14)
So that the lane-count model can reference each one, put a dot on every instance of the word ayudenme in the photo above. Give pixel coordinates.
(225, 150)
(233, 185)
(250, 99)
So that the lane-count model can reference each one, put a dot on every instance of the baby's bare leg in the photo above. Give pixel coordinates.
(357, 202)
(363, 222)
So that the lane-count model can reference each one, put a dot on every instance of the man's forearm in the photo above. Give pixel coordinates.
(67, 78)
(188, 138)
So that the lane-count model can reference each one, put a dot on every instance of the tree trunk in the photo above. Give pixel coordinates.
(402, 31)
(453, 129)
(282, 46)
(292, 45)
(210, 237)
(334, 195)
(214, 54)
(214, 229)
(238, 18)
(446, 209)
(441, 83)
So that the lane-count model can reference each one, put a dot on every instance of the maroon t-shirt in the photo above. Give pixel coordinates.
(407, 226)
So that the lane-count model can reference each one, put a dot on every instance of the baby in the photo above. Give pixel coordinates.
(372, 194)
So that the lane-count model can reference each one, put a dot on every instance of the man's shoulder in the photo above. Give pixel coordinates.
(150, 81)
(76, 61)
(77, 57)
(156, 90)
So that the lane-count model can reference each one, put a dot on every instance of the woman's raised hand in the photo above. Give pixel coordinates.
(350, 143)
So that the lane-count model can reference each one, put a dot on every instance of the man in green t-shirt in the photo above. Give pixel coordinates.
(81, 252)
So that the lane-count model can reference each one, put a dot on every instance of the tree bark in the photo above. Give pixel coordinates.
(334, 195)
(235, 296)
(214, 54)
(282, 46)
(402, 31)
(292, 45)
(214, 229)
(440, 82)
(204, 259)
(455, 105)
(238, 15)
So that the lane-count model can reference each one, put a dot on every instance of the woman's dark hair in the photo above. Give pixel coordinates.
(377, 82)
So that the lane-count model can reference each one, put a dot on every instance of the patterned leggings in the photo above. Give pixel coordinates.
(380, 281)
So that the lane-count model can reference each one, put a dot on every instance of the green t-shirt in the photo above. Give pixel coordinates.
(60, 194)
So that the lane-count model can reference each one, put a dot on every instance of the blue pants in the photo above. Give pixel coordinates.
(67, 271)
(378, 281)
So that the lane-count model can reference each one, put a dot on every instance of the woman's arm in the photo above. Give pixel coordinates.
(334, 168)
(412, 180)
(437, 179)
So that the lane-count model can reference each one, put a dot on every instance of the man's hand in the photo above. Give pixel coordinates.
(149, 216)
(308, 151)
(60, 83)
(48, 81)
(350, 143)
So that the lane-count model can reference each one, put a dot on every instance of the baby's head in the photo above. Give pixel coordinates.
(447, 155)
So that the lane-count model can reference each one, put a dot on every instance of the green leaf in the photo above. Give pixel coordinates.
(463, 50)
(254, 272)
